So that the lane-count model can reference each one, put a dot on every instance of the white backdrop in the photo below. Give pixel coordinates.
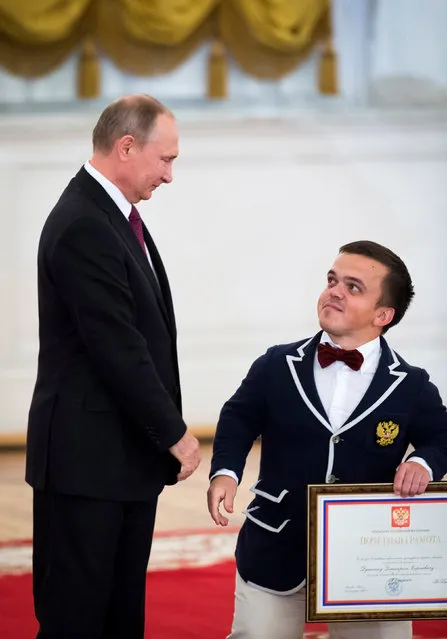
(248, 229)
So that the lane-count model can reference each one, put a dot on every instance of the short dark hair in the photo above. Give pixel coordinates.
(397, 287)
(134, 115)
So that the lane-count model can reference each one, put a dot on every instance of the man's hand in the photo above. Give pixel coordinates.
(222, 488)
(411, 479)
(187, 451)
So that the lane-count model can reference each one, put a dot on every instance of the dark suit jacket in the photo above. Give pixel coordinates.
(278, 401)
(106, 405)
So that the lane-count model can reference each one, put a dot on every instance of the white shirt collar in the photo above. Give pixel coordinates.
(113, 191)
(370, 351)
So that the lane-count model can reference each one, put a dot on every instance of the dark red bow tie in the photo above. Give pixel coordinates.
(328, 354)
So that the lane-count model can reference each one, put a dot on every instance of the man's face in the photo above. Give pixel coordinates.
(348, 306)
(151, 165)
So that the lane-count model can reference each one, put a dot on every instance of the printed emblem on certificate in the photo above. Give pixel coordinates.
(373, 555)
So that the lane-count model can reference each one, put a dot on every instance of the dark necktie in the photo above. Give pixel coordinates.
(137, 227)
(328, 354)
(136, 224)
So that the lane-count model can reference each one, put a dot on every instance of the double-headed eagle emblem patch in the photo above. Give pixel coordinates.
(386, 433)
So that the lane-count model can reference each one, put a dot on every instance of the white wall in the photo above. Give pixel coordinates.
(247, 230)
(409, 52)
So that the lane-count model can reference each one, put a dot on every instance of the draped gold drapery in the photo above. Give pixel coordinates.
(267, 38)
(37, 36)
(152, 37)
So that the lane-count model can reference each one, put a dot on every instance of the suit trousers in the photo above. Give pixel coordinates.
(262, 615)
(89, 566)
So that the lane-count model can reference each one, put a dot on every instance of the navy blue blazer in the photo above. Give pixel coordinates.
(278, 402)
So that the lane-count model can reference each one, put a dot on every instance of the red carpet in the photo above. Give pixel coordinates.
(191, 603)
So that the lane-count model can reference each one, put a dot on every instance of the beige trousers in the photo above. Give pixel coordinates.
(261, 615)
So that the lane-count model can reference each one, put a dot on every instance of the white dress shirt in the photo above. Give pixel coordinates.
(117, 196)
(340, 389)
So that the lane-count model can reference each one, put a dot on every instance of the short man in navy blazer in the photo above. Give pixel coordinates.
(324, 423)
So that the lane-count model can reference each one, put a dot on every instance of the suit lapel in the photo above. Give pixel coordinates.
(388, 376)
(301, 367)
(163, 283)
(121, 225)
(124, 229)
(385, 381)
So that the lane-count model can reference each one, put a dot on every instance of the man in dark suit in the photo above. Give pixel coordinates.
(341, 406)
(105, 431)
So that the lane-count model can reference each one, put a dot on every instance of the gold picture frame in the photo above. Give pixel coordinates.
(330, 548)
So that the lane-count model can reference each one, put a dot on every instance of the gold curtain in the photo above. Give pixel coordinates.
(151, 37)
(268, 38)
(37, 35)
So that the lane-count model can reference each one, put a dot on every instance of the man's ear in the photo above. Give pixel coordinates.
(384, 316)
(125, 146)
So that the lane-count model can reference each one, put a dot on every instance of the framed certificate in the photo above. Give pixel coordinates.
(373, 555)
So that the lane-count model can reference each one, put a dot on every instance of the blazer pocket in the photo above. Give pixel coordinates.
(273, 522)
(268, 492)
(269, 509)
